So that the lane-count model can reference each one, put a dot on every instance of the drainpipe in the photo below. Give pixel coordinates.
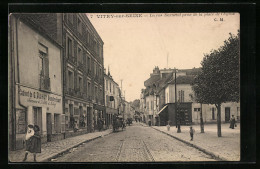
(18, 70)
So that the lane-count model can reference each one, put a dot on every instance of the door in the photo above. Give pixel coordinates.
(49, 126)
(227, 114)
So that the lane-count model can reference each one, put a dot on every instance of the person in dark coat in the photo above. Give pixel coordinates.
(192, 131)
(33, 142)
(232, 122)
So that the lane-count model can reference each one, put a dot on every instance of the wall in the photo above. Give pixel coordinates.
(29, 60)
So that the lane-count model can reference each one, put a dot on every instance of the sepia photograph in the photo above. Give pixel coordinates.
(123, 87)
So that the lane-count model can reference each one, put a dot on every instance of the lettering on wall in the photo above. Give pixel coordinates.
(36, 97)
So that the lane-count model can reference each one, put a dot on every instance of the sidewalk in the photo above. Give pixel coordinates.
(53, 149)
(225, 148)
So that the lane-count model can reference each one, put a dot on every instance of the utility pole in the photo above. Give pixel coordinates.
(201, 120)
(176, 104)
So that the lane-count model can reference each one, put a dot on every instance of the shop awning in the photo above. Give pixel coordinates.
(162, 109)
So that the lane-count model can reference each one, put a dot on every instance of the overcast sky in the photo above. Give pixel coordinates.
(133, 46)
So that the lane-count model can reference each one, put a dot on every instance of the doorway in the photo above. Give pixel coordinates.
(49, 126)
(227, 114)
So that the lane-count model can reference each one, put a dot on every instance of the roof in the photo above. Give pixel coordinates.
(188, 79)
(151, 80)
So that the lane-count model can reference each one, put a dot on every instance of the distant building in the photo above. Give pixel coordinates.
(157, 100)
(112, 98)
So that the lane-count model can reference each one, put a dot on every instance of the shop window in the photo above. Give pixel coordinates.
(57, 123)
(37, 117)
(21, 122)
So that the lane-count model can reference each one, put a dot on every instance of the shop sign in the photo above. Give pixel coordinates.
(37, 98)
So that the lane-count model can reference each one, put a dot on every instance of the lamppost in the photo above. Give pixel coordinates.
(177, 105)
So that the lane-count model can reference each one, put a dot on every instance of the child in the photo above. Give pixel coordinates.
(33, 141)
(192, 131)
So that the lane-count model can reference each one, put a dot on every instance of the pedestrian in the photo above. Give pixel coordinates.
(168, 126)
(192, 131)
(149, 122)
(100, 124)
(232, 122)
(33, 141)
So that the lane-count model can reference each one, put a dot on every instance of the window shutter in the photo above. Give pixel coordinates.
(46, 66)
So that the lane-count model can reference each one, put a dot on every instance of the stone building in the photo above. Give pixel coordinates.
(35, 77)
(112, 98)
(83, 69)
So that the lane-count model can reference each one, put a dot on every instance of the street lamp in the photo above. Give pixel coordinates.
(176, 106)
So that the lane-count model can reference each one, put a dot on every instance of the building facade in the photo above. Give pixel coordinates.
(189, 110)
(112, 98)
(83, 69)
(35, 61)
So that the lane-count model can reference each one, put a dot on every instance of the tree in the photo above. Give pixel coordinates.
(218, 82)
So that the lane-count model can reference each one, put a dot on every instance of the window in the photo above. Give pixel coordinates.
(37, 117)
(96, 90)
(89, 88)
(95, 73)
(70, 80)
(147, 105)
(80, 84)
(106, 85)
(110, 87)
(80, 58)
(181, 96)
(69, 47)
(151, 105)
(44, 60)
(57, 123)
(71, 109)
(89, 64)
(87, 36)
(79, 26)
(113, 89)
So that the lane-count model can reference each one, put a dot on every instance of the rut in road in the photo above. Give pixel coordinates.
(134, 149)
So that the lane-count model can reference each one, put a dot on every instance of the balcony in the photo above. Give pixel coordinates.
(45, 83)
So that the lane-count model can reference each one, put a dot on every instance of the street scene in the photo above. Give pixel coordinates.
(96, 87)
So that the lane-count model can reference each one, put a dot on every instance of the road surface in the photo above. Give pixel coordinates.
(135, 144)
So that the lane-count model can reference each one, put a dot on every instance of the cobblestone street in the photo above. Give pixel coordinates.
(135, 144)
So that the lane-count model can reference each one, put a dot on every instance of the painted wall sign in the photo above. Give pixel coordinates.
(32, 97)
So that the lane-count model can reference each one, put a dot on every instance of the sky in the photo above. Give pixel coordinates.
(133, 45)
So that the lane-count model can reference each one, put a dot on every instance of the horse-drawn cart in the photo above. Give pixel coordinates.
(118, 122)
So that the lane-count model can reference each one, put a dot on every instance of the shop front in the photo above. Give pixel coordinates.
(77, 113)
(38, 108)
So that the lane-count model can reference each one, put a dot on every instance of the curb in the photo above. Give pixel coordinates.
(195, 146)
(48, 159)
